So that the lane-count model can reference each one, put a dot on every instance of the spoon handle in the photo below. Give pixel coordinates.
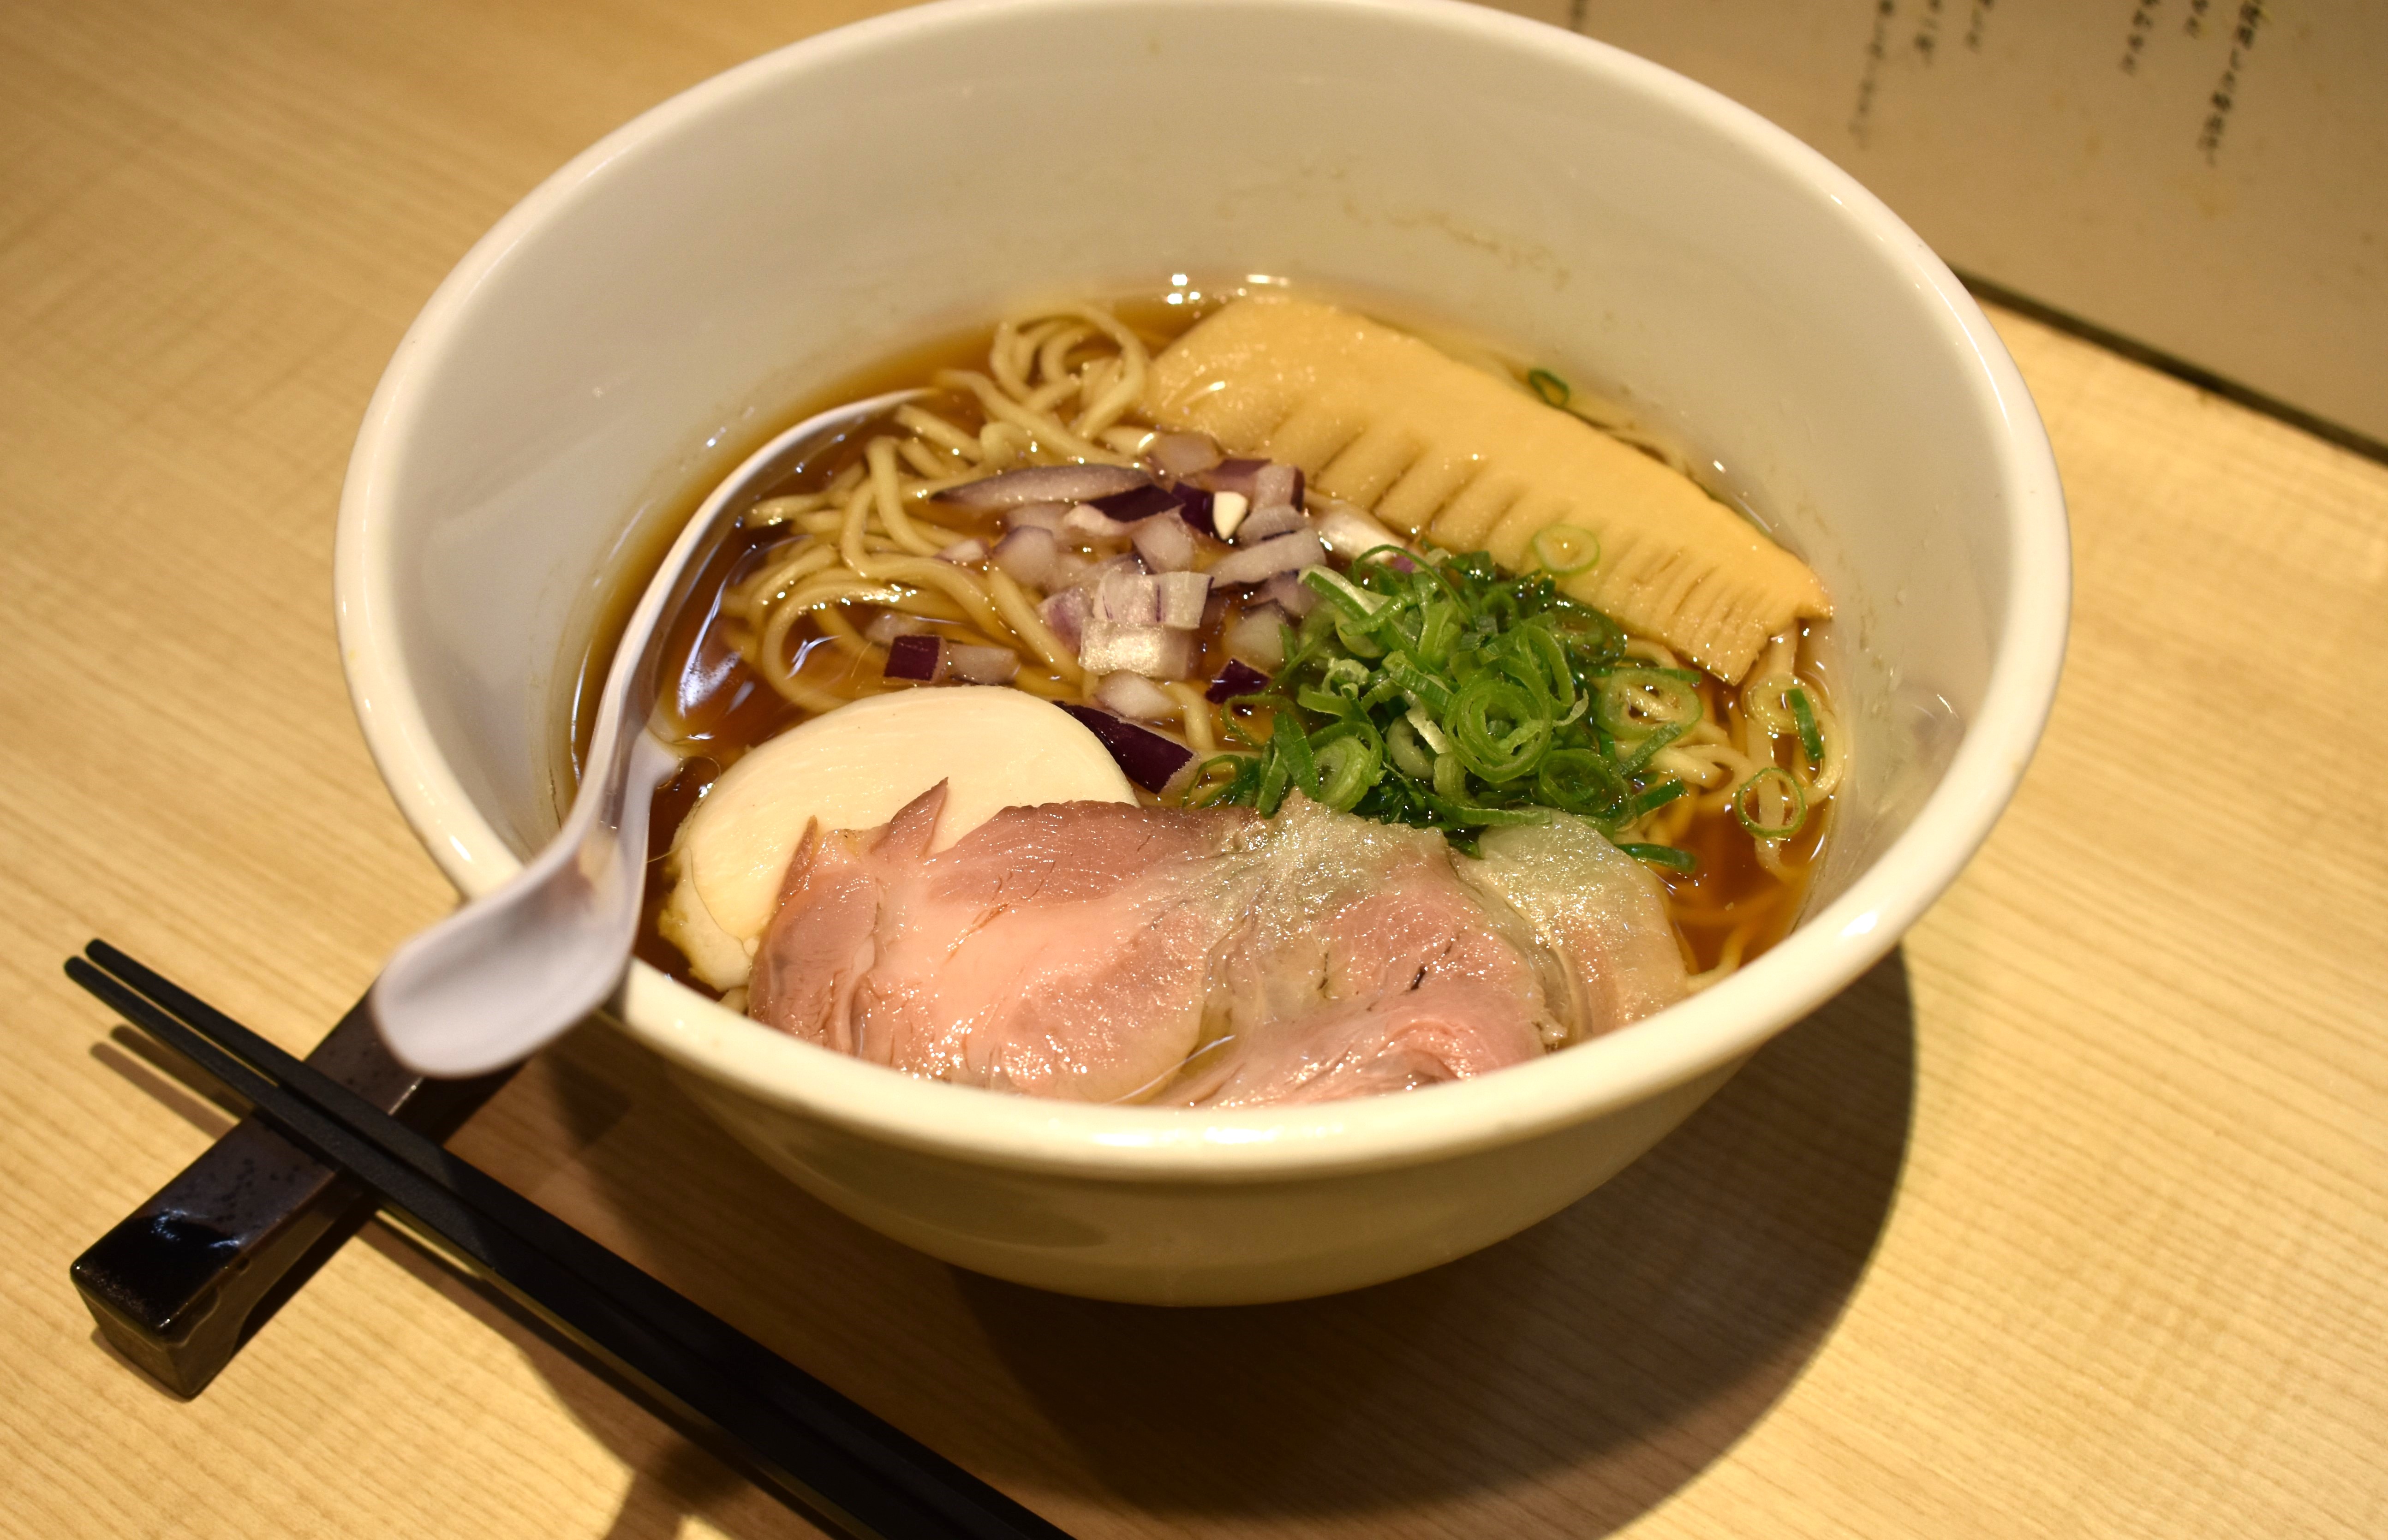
(512, 968)
(508, 972)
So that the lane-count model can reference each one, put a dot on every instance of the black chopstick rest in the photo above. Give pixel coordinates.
(191, 1274)
(804, 1442)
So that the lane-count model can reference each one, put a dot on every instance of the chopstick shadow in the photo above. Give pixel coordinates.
(170, 1080)
(671, 1479)
(1608, 1354)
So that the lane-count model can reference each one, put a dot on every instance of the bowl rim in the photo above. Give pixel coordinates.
(1828, 951)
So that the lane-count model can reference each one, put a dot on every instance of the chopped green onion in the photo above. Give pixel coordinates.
(1650, 799)
(1662, 855)
(1428, 730)
(1443, 692)
(1269, 795)
(1590, 637)
(1292, 646)
(1327, 703)
(1439, 626)
(1425, 690)
(1539, 661)
(1354, 601)
(1348, 757)
(1580, 782)
(1357, 639)
(1648, 708)
(1811, 738)
(1767, 702)
(1346, 676)
(1239, 788)
(1496, 727)
(1473, 815)
(1637, 758)
(1553, 389)
(1796, 801)
(1292, 746)
(1564, 550)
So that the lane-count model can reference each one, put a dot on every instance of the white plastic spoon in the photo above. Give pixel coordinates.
(509, 972)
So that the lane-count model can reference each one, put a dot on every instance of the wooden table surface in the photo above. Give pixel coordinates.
(2069, 1218)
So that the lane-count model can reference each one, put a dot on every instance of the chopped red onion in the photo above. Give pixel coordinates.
(1276, 482)
(1183, 454)
(1194, 506)
(982, 664)
(1045, 484)
(1234, 476)
(1027, 556)
(1036, 516)
(963, 551)
(1136, 503)
(1270, 521)
(1134, 695)
(1181, 780)
(1167, 544)
(1182, 596)
(1349, 533)
(919, 658)
(1156, 763)
(1127, 597)
(1090, 575)
(1288, 593)
(1237, 679)
(1156, 651)
(892, 624)
(1254, 638)
(1066, 613)
(1255, 564)
(1091, 523)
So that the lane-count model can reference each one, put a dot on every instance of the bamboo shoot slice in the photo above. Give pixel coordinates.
(1445, 452)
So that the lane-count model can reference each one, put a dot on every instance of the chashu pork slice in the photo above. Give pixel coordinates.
(1365, 965)
(1207, 957)
(1598, 912)
(1448, 452)
(1058, 951)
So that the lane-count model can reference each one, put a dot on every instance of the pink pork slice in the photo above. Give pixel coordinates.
(1088, 951)
(1058, 950)
(1365, 966)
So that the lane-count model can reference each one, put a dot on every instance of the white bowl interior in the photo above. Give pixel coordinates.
(670, 291)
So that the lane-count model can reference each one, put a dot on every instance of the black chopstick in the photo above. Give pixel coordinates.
(800, 1438)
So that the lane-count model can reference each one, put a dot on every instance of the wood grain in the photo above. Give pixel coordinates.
(2067, 1219)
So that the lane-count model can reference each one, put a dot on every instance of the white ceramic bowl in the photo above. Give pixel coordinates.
(647, 312)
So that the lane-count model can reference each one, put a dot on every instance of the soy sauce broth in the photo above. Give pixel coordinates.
(720, 707)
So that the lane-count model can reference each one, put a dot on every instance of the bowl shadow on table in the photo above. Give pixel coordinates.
(1608, 1354)
(1580, 1371)
(1575, 1375)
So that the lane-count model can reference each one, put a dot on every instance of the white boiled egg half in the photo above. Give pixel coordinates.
(856, 767)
